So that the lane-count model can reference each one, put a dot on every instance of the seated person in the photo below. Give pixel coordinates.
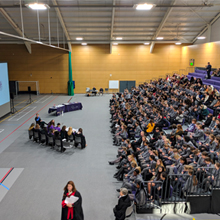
(150, 126)
(51, 135)
(139, 197)
(216, 72)
(42, 124)
(31, 128)
(63, 132)
(213, 178)
(57, 128)
(43, 132)
(130, 183)
(83, 140)
(94, 91)
(37, 129)
(123, 203)
(70, 135)
(190, 185)
(164, 190)
(37, 119)
(101, 91)
(51, 125)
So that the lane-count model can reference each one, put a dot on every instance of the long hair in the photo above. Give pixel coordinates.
(72, 184)
(70, 131)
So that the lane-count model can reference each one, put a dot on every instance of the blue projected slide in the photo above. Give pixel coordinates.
(4, 84)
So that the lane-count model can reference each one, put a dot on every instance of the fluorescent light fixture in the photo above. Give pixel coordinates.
(115, 44)
(52, 45)
(37, 6)
(159, 38)
(146, 43)
(79, 38)
(118, 38)
(144, 6)
(200, 38)
(178, 43)
(83, 44)
(39, 42)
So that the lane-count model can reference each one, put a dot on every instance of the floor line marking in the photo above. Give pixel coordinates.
(17, 111)
(20, 103)
(26, 113)
(27, 120)
(41, 99)
(46, 99)
(4, 186)
(1, 181)
(1, 130)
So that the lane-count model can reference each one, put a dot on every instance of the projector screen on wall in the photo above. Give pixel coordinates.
(4, 90)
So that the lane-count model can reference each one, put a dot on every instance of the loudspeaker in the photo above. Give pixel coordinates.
(12, 95)
(29, 89)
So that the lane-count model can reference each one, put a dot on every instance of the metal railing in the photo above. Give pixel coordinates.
(190, 69)
(178, 187)
(182, 71)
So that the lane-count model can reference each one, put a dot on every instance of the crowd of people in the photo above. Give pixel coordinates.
(51, 133)
(153, 162)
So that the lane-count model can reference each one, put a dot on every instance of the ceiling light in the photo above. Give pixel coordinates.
(37, 6)
(200, 38)
(83, 44)
(115, 44)
(178, 43)
(79, 38)
(146, 43)
(144, 6)
(118, 38)
(159, 38)
(39, 42)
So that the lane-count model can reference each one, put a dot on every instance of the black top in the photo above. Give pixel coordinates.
(208, 68)
(37, 119)
(123, 203)
(77, 208)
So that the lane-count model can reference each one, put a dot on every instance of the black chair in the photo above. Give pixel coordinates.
(36, 135)
(43, 138)
(30, 133)
(58, 143)
(70, 138)
(78, 141)
(50, 140)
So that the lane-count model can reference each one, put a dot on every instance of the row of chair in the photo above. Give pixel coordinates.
(48, 139)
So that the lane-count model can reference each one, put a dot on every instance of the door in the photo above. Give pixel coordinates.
(127, 85)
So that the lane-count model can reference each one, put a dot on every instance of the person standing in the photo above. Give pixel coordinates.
(71, 211)
(208, 69)
(37, 119)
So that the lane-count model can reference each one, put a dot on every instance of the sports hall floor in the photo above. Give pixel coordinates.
(33, 188)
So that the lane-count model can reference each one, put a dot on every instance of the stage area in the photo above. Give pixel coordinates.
(43, 172)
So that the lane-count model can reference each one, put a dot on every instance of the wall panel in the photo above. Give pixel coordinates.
(41, 65)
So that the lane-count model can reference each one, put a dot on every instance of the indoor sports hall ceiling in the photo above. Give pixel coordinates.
(102, 21)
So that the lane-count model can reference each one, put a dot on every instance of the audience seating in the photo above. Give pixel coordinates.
(215, 81)
(198, 185)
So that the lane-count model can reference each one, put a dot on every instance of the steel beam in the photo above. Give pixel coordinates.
(15, 27)
(206, 27)
(30, 41)
(169, 10)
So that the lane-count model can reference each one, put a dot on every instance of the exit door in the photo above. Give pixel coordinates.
(127, 85)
